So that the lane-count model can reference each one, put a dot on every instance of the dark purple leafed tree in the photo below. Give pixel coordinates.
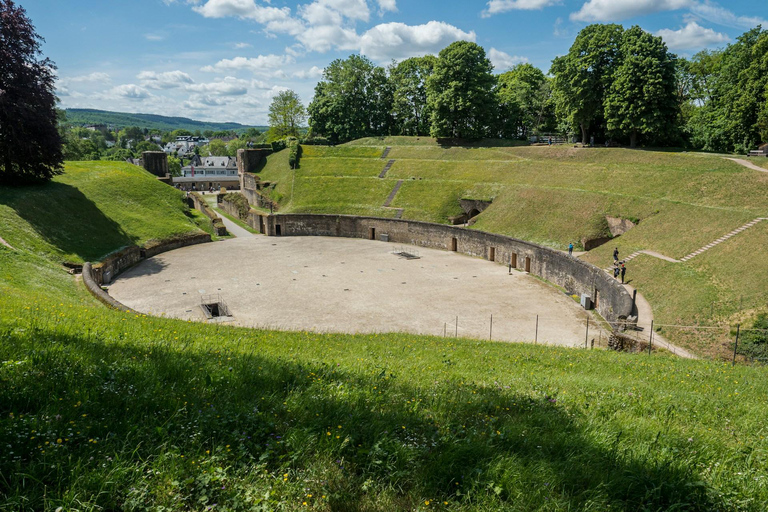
(30, 144)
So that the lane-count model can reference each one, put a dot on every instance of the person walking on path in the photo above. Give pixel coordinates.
(615, 270)
(615, 254)
(570, 249)
(623, 271)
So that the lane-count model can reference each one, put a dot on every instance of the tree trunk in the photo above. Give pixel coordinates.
(583, 134)
(633, 139)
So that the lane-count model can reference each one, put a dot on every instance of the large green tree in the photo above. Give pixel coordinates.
(523, 95)
(353, 100)
(734, 114)
(30, 143)
(409, 85)
(582, 77)
(286, 115)
(642, 98)
(460, 92)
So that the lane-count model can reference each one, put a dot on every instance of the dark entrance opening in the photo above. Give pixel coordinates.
(278, 230)
(454, 244)
(371, 233)
(261, 224)
(513, 260)
(213, 307)
(491, 254)
(527, 264)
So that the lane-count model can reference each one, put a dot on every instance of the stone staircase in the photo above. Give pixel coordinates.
(386, 169)
(392, 194)
(723, 238)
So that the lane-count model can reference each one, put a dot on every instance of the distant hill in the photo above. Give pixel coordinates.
(149, 121)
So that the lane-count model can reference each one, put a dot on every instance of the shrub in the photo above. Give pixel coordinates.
(294, 154)
(754, 343)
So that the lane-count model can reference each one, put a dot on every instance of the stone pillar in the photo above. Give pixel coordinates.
(155, 162)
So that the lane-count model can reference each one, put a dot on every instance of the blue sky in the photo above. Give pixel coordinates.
(223, 60)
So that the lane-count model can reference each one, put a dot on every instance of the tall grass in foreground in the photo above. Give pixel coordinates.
(101, 410)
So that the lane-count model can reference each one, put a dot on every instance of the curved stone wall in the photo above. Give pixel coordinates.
(577, 277)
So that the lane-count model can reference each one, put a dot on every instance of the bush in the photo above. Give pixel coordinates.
(278, 145)
(294, 154)
(754, 343)
(316, 141)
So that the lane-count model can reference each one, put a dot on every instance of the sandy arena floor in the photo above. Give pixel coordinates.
(351, 285)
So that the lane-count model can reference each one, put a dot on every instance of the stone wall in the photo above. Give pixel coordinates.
(250, 161)
(577, 277)
(106, 271)
(197, 202)
(255, 219)
(155, 162)
(89, 279)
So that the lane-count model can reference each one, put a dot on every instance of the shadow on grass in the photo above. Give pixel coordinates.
(65, 218)
(149, 407)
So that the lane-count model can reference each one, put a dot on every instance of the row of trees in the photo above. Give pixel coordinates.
(453, 95)
(614, 83)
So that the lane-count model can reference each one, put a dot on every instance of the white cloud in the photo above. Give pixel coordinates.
(715, 14)
(259, 65)
(387, 5)
(154, 37)
(499, 6)
(241, 46)
(503, 61)
(304, 74)
(130, 91)
(324, 37)
(617, 10)
(691, 36)
(93, 77)
(230, 86)
(324, 12)
(166, 80)
(246, 9)
(400, 41)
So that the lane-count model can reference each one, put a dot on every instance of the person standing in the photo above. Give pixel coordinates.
(623, 271)
(615, 270)
(570, 249)
(615, 254)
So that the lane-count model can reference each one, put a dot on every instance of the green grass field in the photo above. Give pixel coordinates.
(561, 194)
(102, 410)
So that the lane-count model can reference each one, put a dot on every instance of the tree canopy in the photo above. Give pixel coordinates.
(30, 143)
(286, 115)
(409, 85)
(460, 92)
(353, 100)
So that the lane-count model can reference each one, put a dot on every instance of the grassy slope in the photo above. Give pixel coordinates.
(120, 202)
(105, 410)
(554, 195)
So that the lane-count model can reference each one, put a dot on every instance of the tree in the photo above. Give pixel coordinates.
(523, 95)
(216, 147)
(642, 97)
(174, 166)
(286, 115)
(236, 144)
(460, 92)
(30, 143)
(582, 77)
(145, 145)
(734, 116)
(409, 88)
(353, 100)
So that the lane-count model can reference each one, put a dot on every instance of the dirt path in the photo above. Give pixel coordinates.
(746, 163)
(3, 242)
(645, 318)
(232, 228)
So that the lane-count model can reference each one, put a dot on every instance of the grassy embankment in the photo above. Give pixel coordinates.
(554, 195)
(101, 410)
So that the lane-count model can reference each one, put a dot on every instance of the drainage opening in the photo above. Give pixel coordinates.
(214, 307)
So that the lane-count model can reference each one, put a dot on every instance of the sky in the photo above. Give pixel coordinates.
(224, 60)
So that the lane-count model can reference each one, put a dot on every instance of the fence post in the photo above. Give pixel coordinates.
(736, 345)
(490, 335)
(586, 337)
(650, 339)
(536, 338)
